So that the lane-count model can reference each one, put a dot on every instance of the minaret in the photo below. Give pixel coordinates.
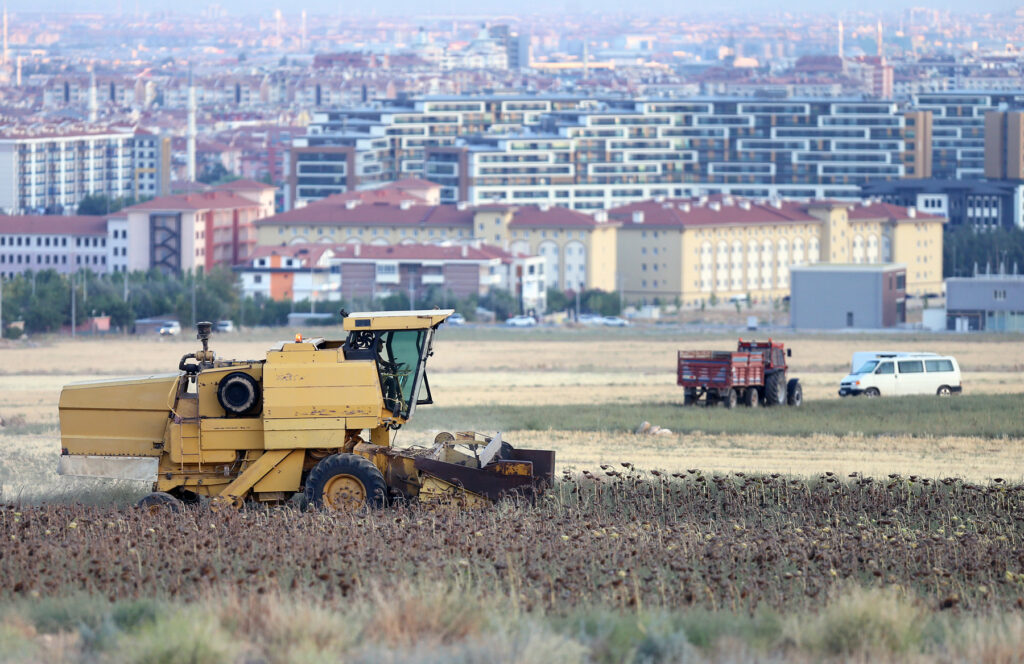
(94, 106)
(302, 34)
(190, 135)
(840, 51)
(7, 52)
(879, 38)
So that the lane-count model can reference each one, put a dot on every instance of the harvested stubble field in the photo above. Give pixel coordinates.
(759, 556)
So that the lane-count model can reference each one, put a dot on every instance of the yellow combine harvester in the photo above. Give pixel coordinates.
(316, 416)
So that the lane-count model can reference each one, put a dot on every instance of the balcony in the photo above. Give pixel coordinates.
(432, 279)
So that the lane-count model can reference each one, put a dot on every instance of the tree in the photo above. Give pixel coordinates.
(558, 300)
(964, 248)
(215, 174)
(501, 302)
(98, 204)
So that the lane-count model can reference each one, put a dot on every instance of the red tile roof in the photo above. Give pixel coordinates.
(52, 225)
(690, 212)
(206, 200)
(371, 252)
(413, 183)
(721, 209)
(533, 216)
(334, 212)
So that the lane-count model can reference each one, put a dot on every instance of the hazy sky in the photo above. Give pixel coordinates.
(415, 7)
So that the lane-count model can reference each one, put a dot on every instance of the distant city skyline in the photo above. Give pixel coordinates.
(475, 7)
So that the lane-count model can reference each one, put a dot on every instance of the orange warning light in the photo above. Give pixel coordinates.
(298, 337)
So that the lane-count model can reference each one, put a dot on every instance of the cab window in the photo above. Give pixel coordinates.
(885, 368)
(868, 367)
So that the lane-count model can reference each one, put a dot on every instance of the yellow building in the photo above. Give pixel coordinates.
(724, 247)
(579, 249)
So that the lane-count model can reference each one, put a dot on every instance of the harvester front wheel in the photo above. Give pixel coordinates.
(158, 501)
(345, 482)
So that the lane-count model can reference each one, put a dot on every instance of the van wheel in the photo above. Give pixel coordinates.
(872, 392)
(944, 391)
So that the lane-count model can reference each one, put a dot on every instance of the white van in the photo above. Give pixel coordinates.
(898, 374)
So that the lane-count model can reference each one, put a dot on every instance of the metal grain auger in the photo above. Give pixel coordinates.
(265, 430)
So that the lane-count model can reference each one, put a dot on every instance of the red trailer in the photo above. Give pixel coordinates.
(754, 374)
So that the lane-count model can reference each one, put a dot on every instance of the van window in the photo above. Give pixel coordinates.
(911, 366)
(885, 368)
(867, 367)
(938, 365)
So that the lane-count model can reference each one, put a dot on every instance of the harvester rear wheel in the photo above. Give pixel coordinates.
(775, 389)
(158, 501)
(345, 482)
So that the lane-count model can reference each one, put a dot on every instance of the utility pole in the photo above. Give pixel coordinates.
(73, 323)
(1, 306)
(124, 281)
(193, 297)
(312, 289)
(577, 304)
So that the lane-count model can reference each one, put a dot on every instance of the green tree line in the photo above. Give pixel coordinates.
(964, 248)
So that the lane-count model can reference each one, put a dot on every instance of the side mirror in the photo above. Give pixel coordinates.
(789, 352)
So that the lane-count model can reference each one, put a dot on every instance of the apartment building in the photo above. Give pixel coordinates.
(578, 249)
(51, 169)
(630, 151)
(688, 250)
(152, 164)
(64, 244)
(323, 273)
(958, 128)
(390, 137)
(980, 204)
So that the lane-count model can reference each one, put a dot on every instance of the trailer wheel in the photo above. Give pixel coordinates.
(794, 393)
(345, 483)
(689, 396)
(158, 501)
(751, 398)
(774, 389)
(732, 398)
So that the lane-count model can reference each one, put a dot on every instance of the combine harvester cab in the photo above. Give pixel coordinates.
(315, 416)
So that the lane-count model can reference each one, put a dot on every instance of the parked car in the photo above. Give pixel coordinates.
(456, 319)
(170, 329)
(898, 374)
(521, 321)
(590, 319)
(224, 326)
(615, 321)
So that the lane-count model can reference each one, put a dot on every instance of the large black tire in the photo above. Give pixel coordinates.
(158, 501)
(794, 393)
(775, 389)
(239, 393)
(345, 482)
(730, 399)
(751, 398)
(689, 396)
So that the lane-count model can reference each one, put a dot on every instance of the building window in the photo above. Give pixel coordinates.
(257, 279)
